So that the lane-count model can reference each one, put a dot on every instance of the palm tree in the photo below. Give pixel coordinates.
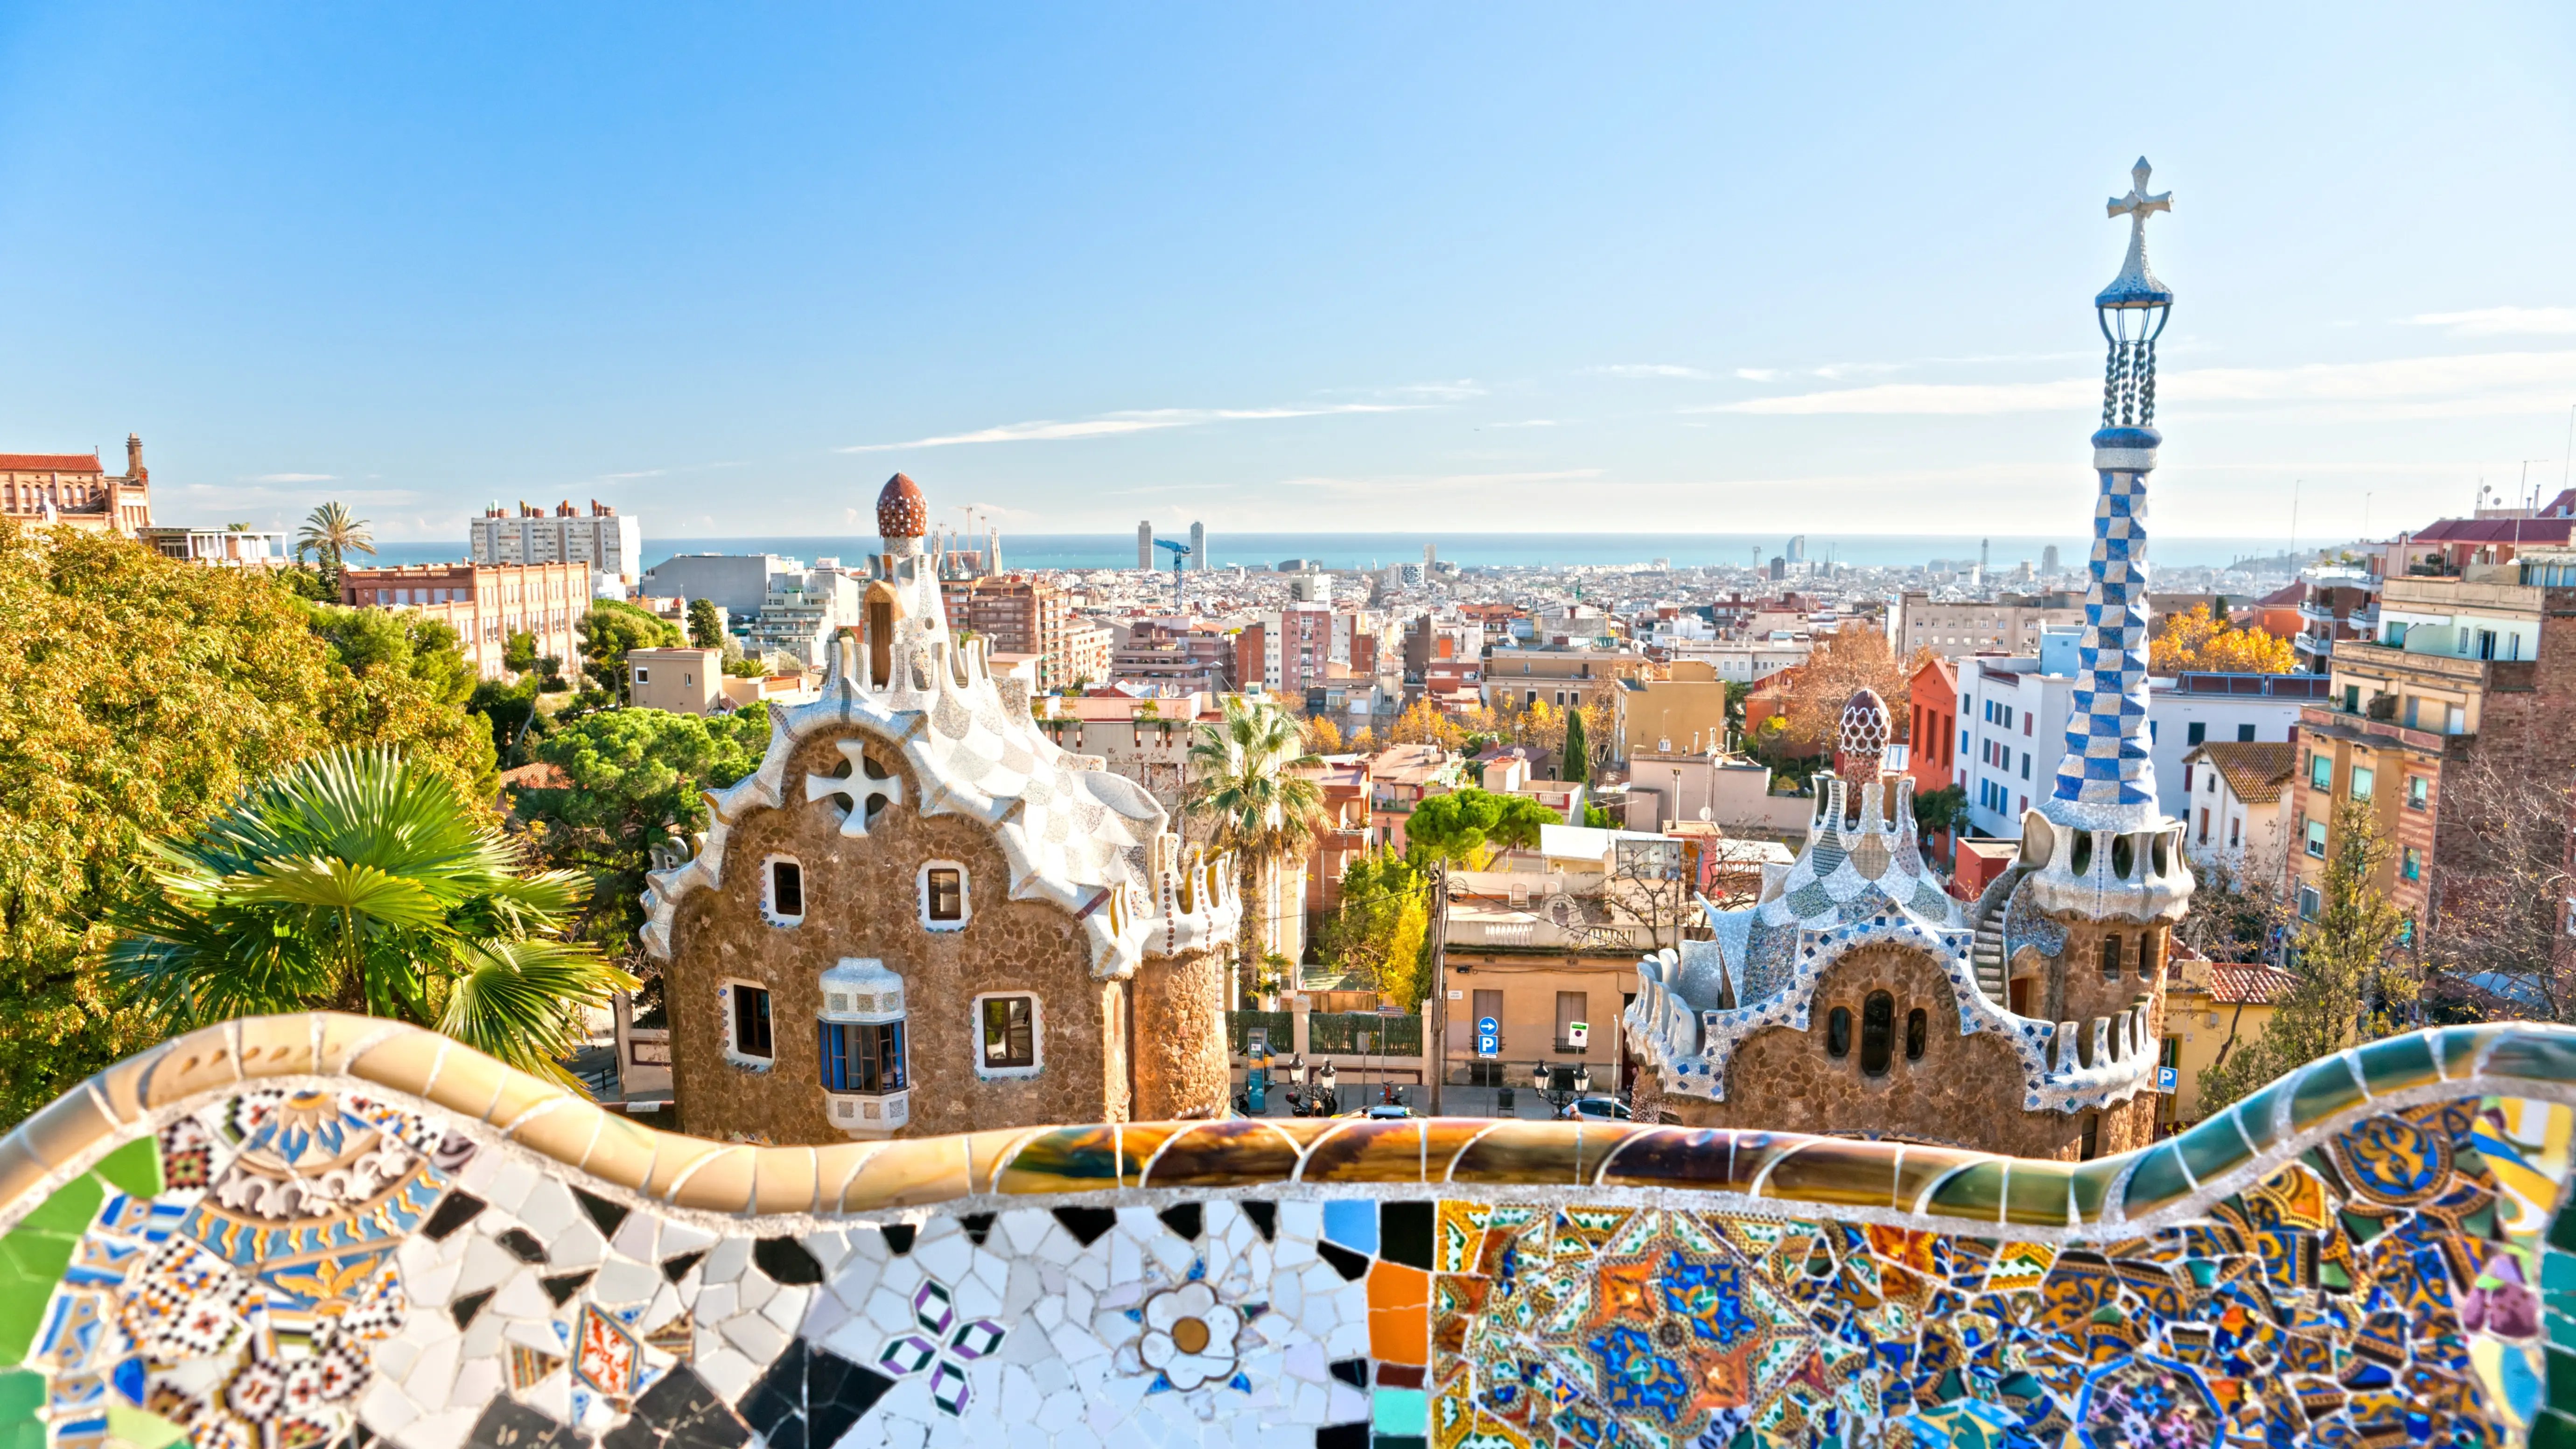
(1243, 784)
(330, 534)
(358, 882)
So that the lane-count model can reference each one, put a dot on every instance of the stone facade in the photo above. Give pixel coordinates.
(920, 915)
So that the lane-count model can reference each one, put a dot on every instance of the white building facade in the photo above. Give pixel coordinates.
(610, 542)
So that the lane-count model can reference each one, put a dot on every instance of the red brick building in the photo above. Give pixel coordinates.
(75, 489)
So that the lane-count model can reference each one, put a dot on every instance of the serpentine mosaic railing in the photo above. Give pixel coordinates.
(293, 1231)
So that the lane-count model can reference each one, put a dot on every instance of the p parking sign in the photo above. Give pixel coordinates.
(2168, 1079)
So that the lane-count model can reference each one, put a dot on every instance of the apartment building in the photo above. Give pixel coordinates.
(803, 608)
(738, 582)
(2482, 666)
(1290, 650)
(484, 603)
(1019, 614)
(681, 680)
(2334, 604)
(2011, 624)
(610, 542)
(1176, 654)
(1932, 703)
(1742, 661)
(2012, 715)
(1684, 711)
(1517, 678)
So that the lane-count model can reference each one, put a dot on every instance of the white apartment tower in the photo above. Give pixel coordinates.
(1145, 546)
(610, 542)
(1198, 548)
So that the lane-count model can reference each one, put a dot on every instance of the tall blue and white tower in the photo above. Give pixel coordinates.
(2102, 854)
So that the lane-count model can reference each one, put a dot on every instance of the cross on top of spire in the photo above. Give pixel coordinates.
(2136, 286)
(2137, 206)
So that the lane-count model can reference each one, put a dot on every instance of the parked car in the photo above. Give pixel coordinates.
(1384, 1112)
(1596, 1109)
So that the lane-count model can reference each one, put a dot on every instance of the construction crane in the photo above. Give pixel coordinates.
(1180, 551)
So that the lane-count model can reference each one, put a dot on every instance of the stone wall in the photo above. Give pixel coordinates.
(861, 897)
(318, 1230)
(1961, 1091)
(1182, 1069)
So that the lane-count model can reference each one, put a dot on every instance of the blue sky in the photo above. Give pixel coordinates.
(1336, 267)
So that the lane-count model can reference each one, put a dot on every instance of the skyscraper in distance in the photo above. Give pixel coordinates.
(1145, 545)
(1198, 548)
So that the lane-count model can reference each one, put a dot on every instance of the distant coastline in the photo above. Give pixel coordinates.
(1528, 550)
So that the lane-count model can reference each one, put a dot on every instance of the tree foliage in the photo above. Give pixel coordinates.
(634, 778)
(2199, 641)
(1458, 827)
(1578, 751)
(329, 536)
(1379, 932)
(1247, 790)
(1815, 692)
(2348, 985)
(2505, 875)
(706, 629)
(609, 630)
(355, 882)
(138, 697)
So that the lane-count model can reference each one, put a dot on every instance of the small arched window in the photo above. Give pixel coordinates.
(1877, 1032)
(2111, 956)
(782, 891)
(1918, 1025)
(1838, 1032)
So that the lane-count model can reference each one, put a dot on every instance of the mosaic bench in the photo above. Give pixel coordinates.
(294, 1231)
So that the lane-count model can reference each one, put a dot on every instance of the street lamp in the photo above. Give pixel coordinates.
(1325, 1098)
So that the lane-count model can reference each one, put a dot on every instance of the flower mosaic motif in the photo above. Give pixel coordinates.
(1190, 1338)
(945, 1344)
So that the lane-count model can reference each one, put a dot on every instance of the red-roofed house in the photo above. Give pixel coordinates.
(2212, 1009)
(75, 489)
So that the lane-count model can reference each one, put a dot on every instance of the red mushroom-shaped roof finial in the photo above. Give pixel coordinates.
(901, 510)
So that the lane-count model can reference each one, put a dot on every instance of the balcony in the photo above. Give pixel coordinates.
(2384, 659)
(1536, 933)
(2334, 723)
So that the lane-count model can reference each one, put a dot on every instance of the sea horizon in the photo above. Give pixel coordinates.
(1342, 550)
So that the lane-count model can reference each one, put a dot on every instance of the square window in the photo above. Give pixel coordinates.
(2317, 838)
(1007, 1033)
(2309, 903)
(2321, 771)
(2195, 733)
(750, 1020)
(784, 899)
(2363, 779)
(2245, 733)
(2419, 790)
(2412, 866)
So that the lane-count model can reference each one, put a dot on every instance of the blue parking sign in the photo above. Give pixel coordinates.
(1488, 1044)
(2168, 1079)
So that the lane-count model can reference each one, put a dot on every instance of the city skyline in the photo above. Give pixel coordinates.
(1269, 271)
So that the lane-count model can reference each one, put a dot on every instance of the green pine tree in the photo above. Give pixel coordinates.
(1578, 754)
(2349, 987)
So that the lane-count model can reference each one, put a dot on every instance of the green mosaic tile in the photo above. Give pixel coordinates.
(2256, 1114)
(2557, 1270)
(134, 1169)
(1976, 1193)
(22, 1395)
(2534, 1056)
(2093, 1181)
(2159, 1180)
(2398, 1063)
(2212, 1148)
(2562, 1379)
(2322, 1089)
(2554, 1430)
(34, 1255)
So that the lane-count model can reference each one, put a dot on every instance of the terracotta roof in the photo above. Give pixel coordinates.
(2249, 985)
(49, 463)
(2527, 531)
(2257, 770)
(2290, 593)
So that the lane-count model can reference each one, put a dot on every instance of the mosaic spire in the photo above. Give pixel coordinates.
(2107, 780)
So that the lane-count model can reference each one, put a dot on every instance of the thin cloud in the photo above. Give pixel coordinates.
(2466, 385)
(2502, 321)
(1110, 425)
(294, 477)
(1757, 374)
(624, 477)
(1459, 391)
(1651, 369)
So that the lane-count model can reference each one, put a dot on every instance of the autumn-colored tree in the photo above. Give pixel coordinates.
(2198, 641)
(139, 697)
(1323, 737)
(2350, 983)
(1817, 690)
